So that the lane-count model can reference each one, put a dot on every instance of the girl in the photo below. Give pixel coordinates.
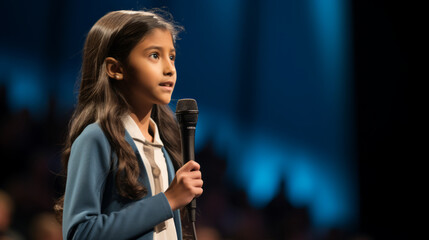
(123, 145)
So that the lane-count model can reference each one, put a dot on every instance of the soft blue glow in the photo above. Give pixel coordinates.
(331, 207)
(330, 26)
(26, 92)
(259, 160)
(67, 90)
(301, 181)
(261, 169)
(25, 88)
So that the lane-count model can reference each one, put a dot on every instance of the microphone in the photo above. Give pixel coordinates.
(187, 116)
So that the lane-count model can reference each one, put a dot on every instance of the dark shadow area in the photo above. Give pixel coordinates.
(386, 41)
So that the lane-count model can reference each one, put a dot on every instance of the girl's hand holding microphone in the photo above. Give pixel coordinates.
(186, 185)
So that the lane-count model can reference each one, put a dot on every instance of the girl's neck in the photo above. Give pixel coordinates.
(142, 119)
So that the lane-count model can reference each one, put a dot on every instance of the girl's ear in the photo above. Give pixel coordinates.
(114, 68)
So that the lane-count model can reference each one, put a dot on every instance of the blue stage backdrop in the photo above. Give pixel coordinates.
(272, 79)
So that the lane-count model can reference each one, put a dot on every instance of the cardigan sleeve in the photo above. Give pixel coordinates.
(88, 168)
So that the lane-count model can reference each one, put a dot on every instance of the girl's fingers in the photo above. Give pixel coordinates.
(194, 174)
(190, 166)
(198, 192)
(198, 183)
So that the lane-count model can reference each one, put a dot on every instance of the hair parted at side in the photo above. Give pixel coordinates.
(100, 100)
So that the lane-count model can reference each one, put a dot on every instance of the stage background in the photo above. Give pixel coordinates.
(304, 110)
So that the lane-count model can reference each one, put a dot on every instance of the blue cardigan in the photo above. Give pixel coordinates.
(93, 209)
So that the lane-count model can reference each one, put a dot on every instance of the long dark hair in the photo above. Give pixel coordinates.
(100, 100)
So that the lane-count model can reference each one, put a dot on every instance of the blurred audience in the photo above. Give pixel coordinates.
(208, 233)
(45, 227)
(6, 212)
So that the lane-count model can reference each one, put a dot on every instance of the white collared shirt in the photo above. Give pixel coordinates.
(133, 129)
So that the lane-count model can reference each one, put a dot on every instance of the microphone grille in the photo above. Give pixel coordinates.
(186, 104)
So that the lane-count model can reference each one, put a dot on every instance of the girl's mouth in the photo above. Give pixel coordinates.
(168, 85)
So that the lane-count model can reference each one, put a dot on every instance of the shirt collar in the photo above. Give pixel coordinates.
(134, 131)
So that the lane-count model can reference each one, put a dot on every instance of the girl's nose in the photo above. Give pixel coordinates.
(169, 68)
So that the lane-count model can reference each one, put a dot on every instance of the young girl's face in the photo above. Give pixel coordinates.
(150, 75)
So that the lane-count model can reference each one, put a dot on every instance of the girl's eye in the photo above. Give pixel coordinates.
(154, 55)
(172, 57)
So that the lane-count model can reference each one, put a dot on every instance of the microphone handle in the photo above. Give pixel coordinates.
(188, 153)
(188, 143)
(192, 206)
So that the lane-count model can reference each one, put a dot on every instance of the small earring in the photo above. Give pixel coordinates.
(117, 76)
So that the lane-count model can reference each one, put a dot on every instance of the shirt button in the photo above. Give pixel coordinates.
(156, 172)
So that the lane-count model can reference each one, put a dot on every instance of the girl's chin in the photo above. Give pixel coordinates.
(165, 101)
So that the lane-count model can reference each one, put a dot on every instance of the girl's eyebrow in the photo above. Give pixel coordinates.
(158, 48)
